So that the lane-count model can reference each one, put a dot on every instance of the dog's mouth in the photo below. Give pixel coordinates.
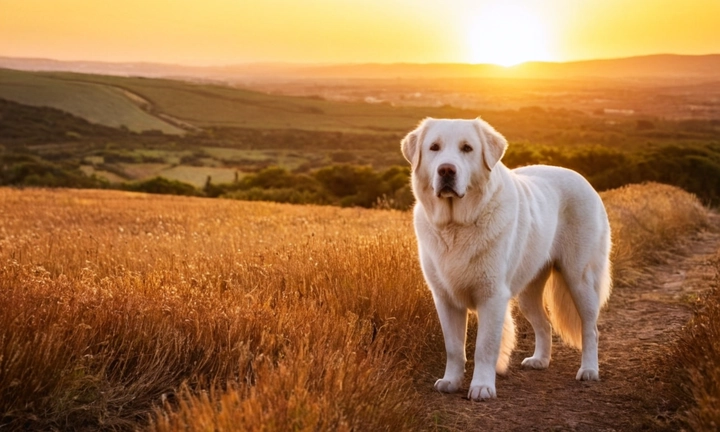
(448, 191)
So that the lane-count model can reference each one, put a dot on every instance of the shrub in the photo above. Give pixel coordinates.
(280, 195)
(344, 185)
(28, 170)
(161, 185)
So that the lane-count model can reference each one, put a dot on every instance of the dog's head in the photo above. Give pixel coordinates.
(451, 157)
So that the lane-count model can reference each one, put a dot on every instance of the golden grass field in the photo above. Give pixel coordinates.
(697, 357)
(125, 311)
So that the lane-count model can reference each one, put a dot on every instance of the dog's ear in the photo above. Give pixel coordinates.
(410, 144)
(494, 144)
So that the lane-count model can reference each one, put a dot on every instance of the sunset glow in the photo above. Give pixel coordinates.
(348, 31)
(507, 34)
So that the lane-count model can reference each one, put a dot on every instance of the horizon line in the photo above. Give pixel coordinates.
(359, 63)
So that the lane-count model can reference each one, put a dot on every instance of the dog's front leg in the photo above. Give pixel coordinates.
(454, 326)
(491, 315)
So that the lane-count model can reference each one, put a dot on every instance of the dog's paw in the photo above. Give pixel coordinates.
(481, 392)
(536, 363)
(588, 375)
(447, 386)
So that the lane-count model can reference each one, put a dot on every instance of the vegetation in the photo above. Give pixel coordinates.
(47, 147)
(102, 104)
(697, 358)
(695, 168)
(231, 133)
(646, 220)
(29, 170)
(160, 185)
(122, 311)
(344, 185)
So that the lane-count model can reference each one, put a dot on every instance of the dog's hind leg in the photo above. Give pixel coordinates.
(531, 305)
(586, 299)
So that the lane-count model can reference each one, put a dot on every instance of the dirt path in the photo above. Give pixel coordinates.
(636, 328)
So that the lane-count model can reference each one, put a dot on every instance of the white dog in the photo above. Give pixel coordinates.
(487, 234)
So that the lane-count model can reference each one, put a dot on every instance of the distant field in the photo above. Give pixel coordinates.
(97, 103)
(205, 105)
(217, 105)
(194, 175)
(197, 176)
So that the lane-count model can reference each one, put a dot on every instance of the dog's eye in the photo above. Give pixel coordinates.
(466, 148)
(435, 147)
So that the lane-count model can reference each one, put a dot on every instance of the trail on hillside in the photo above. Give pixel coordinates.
(636, 328)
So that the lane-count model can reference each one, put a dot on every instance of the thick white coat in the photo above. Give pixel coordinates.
(537, 233)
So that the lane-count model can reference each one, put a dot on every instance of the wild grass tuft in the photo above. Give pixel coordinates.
(696, 359)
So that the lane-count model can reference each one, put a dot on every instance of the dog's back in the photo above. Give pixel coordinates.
(581, 252)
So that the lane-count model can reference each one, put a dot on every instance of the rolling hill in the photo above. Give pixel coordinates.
(171, 106)
(98, 103)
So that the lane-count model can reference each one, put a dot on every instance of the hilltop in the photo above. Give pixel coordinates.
(172, 105)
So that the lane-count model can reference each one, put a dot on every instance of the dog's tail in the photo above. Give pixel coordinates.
(564, 315)
(507, 343)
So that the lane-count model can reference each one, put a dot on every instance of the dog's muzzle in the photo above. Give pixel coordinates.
(446, 173)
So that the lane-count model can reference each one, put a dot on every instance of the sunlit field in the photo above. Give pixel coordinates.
(125, 311)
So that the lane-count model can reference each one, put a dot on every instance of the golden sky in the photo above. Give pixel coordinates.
(216, 32)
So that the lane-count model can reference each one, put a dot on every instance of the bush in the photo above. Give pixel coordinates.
(28, 170)
(694, 168)
(281, 195)
(161, 185)
(344, 185)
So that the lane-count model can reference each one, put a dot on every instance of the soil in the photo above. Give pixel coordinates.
(638, 327)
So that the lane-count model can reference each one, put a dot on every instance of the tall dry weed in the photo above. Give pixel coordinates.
(121, 310)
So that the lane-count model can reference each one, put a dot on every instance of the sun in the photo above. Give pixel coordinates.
(506, 35)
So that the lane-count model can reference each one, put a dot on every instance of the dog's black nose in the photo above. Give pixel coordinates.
(446, 170)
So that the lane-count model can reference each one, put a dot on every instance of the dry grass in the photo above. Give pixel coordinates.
(646, 220)
(121, 310)
(696, 360)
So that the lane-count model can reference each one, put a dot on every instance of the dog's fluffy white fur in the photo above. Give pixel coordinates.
(487, 234)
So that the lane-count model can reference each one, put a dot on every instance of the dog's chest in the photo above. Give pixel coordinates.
(460, 260)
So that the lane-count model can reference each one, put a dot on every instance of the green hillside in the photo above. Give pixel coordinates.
(97, 103)
(207, 105)
(104, 100)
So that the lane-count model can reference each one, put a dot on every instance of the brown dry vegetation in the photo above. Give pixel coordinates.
(122, 310)
(697, 357)
(646, 220)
